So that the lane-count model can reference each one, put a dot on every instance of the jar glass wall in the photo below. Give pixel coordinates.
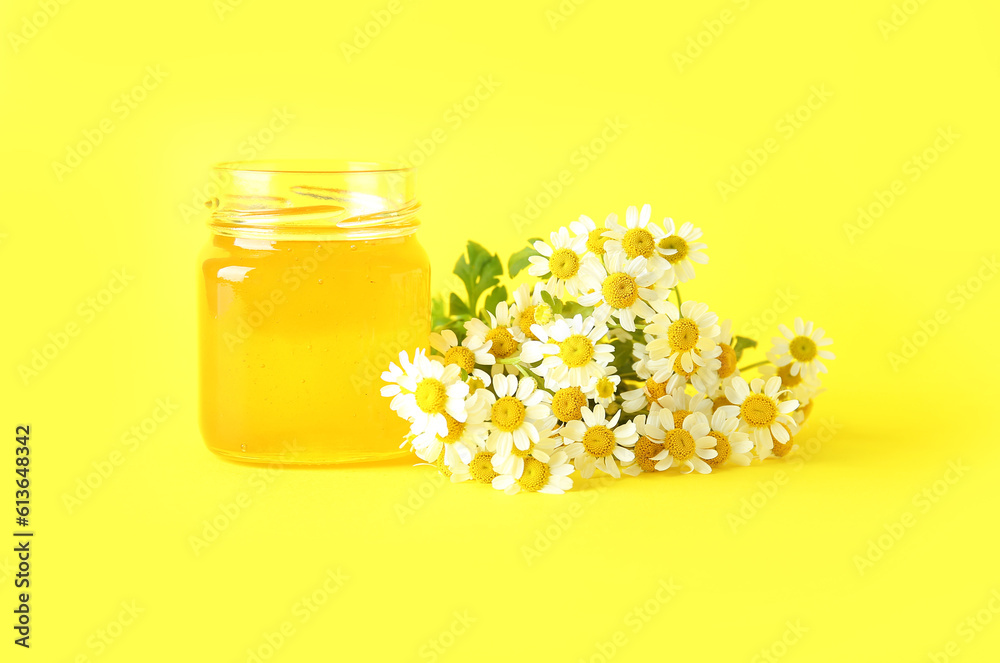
(312, 282)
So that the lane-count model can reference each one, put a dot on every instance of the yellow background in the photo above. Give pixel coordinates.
(559, 78)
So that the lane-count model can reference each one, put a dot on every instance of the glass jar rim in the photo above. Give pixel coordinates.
(314, 198)
(317, 166)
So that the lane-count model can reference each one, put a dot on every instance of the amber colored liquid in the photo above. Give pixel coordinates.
(294, 338)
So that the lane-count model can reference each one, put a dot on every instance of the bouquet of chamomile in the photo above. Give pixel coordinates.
(598, 367)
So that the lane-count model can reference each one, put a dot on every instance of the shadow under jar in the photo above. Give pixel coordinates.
(312, 282)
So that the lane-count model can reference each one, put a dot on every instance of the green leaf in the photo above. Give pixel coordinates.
(570, 309)
(458, 307)
(742, 343)
(519, 260)
(557, 305)
(497, 295)
(458, 326)
(623, 358)
(479, 271)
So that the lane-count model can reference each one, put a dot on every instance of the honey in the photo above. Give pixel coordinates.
(313, 281)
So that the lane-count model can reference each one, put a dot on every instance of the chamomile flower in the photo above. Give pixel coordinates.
(603, 389)
(513, 463)
(649, 444)
(681, 249)
(596, 238)
(466, 355)
(538, 476)
(641, 364)
(565, 260)
(479, 469)
(394, 389)
(704, 376)
(687, 335)
(429, 391)
(679, 404)
(599, 443)
(727, 352)
(802, 350)
(503, 344)
(622, 289)
(464, 438)
(718, 394)
(517, 415)
(637, 239)
(479, 380)
(804, 393)
(529, 309)
(567, 404)
(449, 471)
(650, 392)
(762, 412)
(570, 351)
(731, 445)
(782, 449)
(687, 446)
(788, 381)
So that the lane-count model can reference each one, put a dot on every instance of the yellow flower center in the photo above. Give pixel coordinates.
(620, 290)
(507, 414)
(540, 314)
(719, 401)
(523, 453)
(638, 242)
(526, 320)
(802, 348)
(595, 241)
(481, 467)
(728, 360)
(781, 449)
(599, 441)
(759, 411)
(504, 345)
(564, 264)
(455, 428)
(682, 335)
(475, 383)
(722, 448)
(462, 357)
(605, 388)
(431, 396)
(439, 463)
(787, 379)
(675, 242)
(576, 351)
(679, 417)
(655, 390)
(535, 475)
(679, 368)
(645, 449)
(566, 403)
(679, 443)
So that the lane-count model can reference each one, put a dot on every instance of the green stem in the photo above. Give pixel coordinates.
(677, 291)
(759, 363)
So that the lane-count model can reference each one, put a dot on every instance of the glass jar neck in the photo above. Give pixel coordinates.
(314, 200)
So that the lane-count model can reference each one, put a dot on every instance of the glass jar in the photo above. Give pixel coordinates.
(312, 282)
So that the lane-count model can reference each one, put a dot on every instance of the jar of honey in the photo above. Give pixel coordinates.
(312, 282)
